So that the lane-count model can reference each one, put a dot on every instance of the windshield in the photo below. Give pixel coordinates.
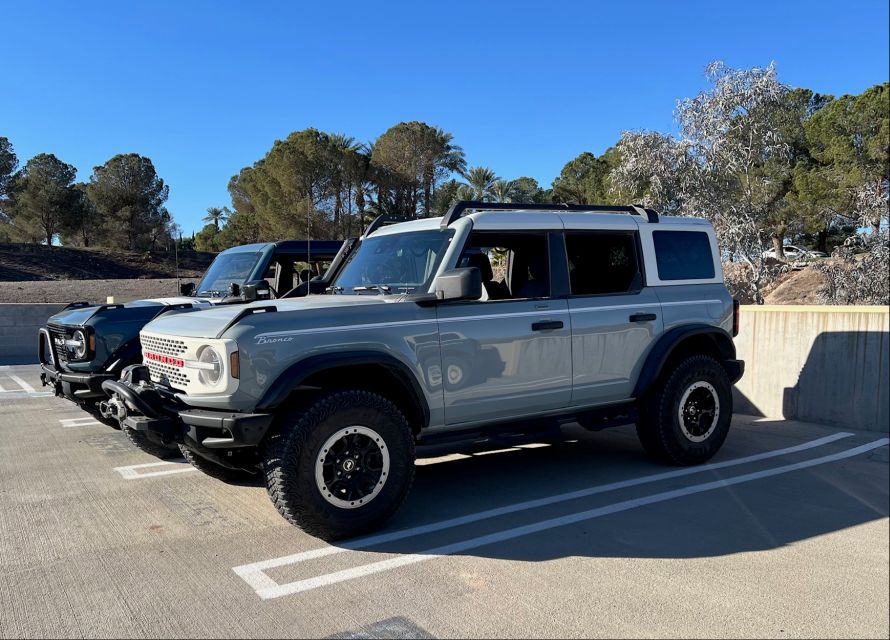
(226, 269)
(395, 263)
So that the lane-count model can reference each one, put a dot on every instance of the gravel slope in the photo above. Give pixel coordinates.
(89, 290)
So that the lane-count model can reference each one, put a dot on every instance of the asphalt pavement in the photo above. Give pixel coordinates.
(783, 534)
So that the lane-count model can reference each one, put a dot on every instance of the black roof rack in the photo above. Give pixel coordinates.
(322, 248)
(458, 209)
(382, 221)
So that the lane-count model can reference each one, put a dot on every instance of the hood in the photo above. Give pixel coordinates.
(209, 323)
(147, 309)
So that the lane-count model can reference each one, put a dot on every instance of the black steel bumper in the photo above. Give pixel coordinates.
(74, 386)
(200, 429)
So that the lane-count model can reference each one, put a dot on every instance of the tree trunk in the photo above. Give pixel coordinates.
(822, 240)
(778, 246)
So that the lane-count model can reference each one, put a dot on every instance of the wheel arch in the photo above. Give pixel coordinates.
(372, 371)
(680, 342)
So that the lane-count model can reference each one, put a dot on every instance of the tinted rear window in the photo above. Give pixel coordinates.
(683, 255)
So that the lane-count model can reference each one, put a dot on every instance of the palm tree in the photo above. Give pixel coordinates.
(217, 215)
(503, 191)
(481, 180)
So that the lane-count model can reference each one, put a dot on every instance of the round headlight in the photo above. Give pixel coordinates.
(211, 372)
(78, 345)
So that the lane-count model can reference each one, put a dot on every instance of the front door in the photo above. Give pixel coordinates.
(510, 354)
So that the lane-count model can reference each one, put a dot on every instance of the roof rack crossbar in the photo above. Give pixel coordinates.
(382, 221)
(458, 209)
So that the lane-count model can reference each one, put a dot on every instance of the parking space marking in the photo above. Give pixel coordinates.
(24, 390)
(134, 471)
(254, 574)
(70, 423)
(269, 589)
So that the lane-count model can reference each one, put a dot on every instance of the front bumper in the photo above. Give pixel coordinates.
(74, 386)
(199, 429)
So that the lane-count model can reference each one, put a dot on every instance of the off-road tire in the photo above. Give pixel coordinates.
(292, 450)
(214, 470)
(162, 451)
(658, 427)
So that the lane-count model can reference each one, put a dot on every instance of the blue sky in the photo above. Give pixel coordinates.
(204, 88)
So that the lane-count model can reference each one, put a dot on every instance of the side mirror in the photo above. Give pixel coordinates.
(187, 288)
(459, 284)
(257, 290)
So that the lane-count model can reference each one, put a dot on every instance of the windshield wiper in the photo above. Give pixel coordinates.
(211, 292)
(334, 290)
(380, 288)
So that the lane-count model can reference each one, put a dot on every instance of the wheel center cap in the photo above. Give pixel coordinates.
(348, 464)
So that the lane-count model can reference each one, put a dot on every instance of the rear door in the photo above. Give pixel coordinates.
(615, 317)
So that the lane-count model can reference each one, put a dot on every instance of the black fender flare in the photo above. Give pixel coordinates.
(128, 353)
(297, 373)
(673, 338)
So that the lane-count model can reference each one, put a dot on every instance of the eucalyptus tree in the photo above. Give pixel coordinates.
(730, 163)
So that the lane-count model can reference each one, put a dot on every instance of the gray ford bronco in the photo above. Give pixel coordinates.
(86, 344)
(494, 319)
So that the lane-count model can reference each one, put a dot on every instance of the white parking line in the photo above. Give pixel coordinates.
(133, 471)
(71, 423)
(254, 574)
(24, 385)
(267, 589)
(24, 389)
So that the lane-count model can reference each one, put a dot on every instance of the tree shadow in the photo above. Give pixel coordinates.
(844, 382)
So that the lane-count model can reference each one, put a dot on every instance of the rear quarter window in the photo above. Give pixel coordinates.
(683, 255)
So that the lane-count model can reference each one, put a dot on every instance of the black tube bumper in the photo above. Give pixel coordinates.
(200, 429)
(75, 386)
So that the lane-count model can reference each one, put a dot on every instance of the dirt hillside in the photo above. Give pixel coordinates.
(22, 262)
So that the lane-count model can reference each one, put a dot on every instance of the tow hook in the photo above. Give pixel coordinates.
(113, 408)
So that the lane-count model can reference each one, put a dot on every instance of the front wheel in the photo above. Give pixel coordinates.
(685, 418)
(340, 465)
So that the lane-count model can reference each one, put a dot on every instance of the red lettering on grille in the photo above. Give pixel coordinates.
(161, 358)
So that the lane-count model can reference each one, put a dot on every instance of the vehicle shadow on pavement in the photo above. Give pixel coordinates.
(753, 516)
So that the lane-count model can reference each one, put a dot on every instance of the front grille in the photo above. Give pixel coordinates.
(161, 372)
(167, 375)
(164, 346)
(57, 336)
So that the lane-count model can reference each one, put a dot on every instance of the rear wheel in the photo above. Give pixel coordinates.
(685, 418)
(160, 450)
(340, 465)
(215, 470)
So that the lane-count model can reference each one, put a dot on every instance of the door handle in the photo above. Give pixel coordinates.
(547, 325)
(642, 317)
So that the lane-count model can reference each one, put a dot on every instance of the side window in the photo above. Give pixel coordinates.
(514, 266)
(602, 263)
(683, 255)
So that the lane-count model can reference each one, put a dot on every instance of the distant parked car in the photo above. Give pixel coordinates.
(795, 254)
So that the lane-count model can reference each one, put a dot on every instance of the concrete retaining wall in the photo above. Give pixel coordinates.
(18, 330)
(818, 364)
